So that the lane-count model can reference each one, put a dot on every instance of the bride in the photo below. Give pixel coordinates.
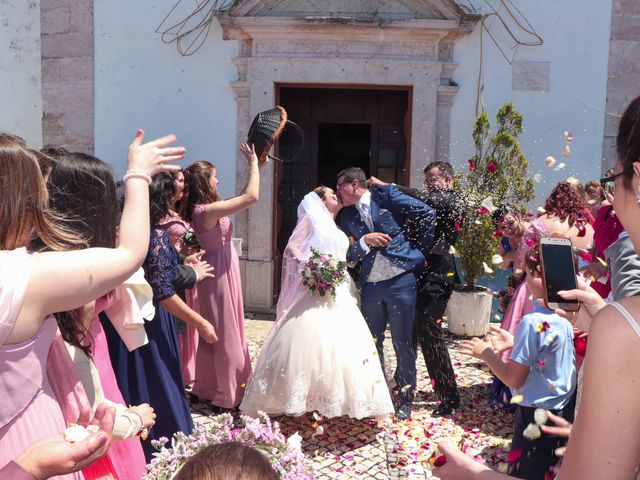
(319, 355)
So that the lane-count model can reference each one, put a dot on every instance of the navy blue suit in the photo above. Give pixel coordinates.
(392, 301)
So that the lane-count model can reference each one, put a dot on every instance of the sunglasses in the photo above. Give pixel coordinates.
(608, 183)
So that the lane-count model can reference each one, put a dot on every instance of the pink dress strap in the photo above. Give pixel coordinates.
(15, 271)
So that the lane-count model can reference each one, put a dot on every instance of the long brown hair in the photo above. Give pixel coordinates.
(82, 191)
(225, 461)
(196, 188)
(24, 202)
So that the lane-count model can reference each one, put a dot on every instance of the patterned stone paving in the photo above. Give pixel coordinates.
(345, 448)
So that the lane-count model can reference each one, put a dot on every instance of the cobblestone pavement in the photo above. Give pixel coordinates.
(345, 448)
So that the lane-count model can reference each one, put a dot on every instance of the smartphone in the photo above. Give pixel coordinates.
(558, 272)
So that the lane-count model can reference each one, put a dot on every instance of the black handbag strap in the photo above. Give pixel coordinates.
(298, 150)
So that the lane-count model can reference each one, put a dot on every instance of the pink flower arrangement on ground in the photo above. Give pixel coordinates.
(322, 273)
(285, 454)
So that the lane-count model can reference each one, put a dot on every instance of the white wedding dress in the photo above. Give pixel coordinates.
(319, 355)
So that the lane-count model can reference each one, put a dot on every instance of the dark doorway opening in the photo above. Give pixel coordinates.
(343, 127)
(342, 145)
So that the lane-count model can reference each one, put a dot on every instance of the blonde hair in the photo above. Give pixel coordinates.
(24, 202)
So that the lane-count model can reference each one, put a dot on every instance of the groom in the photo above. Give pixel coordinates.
(389, 268)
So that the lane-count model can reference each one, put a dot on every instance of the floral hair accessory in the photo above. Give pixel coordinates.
(285, 454)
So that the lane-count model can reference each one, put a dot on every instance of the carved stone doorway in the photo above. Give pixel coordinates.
(344, 127)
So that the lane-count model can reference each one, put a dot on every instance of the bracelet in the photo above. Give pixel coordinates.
(141, 175)
(143, 433)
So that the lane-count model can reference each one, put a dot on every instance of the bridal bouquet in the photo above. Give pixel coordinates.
(285, 455)
(322, 273)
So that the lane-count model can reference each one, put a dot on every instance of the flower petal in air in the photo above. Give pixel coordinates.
(550, 161)
(488, 204)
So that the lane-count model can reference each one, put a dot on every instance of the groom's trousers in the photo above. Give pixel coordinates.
(393, 301)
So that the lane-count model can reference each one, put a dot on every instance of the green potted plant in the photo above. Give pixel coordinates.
(497, 174)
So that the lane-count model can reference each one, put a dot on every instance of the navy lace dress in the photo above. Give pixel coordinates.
(152, 373)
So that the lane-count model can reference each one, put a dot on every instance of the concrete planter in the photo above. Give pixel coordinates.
(468, 313)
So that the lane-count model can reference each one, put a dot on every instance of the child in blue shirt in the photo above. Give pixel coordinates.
(541, 374)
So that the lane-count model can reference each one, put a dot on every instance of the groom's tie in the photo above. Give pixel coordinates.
(363, 208)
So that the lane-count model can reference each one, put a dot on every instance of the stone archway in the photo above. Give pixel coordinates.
(386, 43)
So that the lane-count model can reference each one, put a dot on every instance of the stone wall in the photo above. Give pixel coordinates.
(67, 73)
(623, 83)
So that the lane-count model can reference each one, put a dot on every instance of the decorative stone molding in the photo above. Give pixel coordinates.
(67, 73)
(624, 69)
(362, 44)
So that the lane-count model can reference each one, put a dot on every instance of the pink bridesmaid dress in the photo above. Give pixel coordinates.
(522, 304)
(187, 340)
(222, 368)
(127, 456)
(29, 411)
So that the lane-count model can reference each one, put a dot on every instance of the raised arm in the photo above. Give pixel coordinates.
(249, 195)
(63, 281)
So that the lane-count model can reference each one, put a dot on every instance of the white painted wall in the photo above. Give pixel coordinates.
(20, 78)
(140, 82)
(576, 43)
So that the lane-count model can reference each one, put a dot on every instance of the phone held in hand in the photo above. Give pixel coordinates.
(558, 272)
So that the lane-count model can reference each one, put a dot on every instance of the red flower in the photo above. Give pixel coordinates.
(548, 476)
(440, 461)
(492, 167)
(472, 164)
(498, 233)
(483, 211)
(514, 455)
(458, 227)
(529, 214)
(530, 242)
(587, 257)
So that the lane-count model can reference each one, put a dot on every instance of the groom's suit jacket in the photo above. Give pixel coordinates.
(390, 209)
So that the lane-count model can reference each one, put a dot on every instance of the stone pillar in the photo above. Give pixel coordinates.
(624, 71)
(67, 73)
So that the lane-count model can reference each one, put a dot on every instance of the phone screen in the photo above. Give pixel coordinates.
(559, 273)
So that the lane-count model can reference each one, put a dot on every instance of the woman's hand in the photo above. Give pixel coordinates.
(152, 157)
(562, 429)
(459, 466)
(594, 271)
(146, 413)
(55, 456)
(203, 269)
(250, 156)
(591, 302)
(207, 332)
